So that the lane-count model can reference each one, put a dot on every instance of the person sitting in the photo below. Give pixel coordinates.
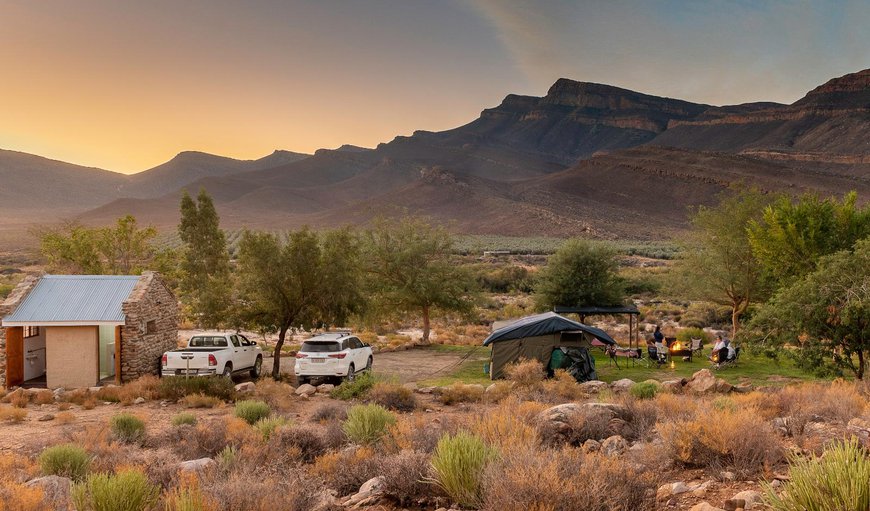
(720, 350)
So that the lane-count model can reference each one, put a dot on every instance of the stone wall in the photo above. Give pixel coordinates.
(150, 301)
(6, 307)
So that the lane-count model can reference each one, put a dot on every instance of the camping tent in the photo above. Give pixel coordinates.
(535, 337)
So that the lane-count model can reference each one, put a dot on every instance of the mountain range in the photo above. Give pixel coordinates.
(585, 159)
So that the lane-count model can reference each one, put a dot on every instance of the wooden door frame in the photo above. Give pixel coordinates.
(14, 372)
(118, 354)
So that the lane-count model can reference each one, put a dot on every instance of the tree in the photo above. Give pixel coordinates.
(301, 281)
(792, 235)
(205, 262)
(579, 274)
(123, 250)
(825, 314)
(718, 263)
(409, 269)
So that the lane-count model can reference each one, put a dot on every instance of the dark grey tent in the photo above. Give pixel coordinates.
(535, 337)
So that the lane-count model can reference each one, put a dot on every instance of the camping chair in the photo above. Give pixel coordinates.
(615, 352)
(730, 361)
(697, 346)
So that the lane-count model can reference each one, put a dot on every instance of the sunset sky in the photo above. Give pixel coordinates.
(125, 85)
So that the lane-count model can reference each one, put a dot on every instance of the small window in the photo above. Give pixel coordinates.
(235, 340)
(31, 331)
(245, 341)
(355, 343)
(151, 327)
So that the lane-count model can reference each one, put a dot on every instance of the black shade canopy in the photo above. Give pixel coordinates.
(591, 311)
(544, 324)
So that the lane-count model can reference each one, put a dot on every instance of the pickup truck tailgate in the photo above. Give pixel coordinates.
(195, 361)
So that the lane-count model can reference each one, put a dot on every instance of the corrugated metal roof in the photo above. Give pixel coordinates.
(79, 299)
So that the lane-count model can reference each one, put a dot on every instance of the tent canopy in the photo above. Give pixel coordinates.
(544, 324)
(597, 311)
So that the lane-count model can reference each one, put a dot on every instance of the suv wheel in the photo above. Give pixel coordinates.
(257, 369)
(369, 365)
(351, 374)
(228, 371)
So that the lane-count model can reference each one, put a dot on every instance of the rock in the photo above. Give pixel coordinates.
(594, 386)
(743, 388)
(667, 491)
(246, 387)
(306, 390)
(728, 476)
(325, 388)
(195, 465)
(56, 490)
(94, 389)
(46, 417)
(673, 386)
(752, 499)
(614, 446)
(591, 446)
(562, 423)
(782, 425)
(622, 385)
(734, 505)
(704, 506)
(426, 390)
(776, 483)
(860, 428)
(325, 501)
(368, 493)
(703, 382)
(701, 489)
(138, 400)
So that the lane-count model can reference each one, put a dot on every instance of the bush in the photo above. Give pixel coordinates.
(502, 427)
(458, 463)
(345, 471)
(267, 425)
(127, 428)
(188, 497)
(252, 411)
(175, 388)
(461, 393)
(405, 476)
(256, 491)
(13, 414)
(19, 399)
(526, 373)
(200, 401)
(184, 418)
(126, 491)
(65, 460)
(44, 397)
(393, 397)
(836, 481)
(686, 335)
(356, 388)
(308, 440)
(644, 390)
(366, 424)
(329, 412)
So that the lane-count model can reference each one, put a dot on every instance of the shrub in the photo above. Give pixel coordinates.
(277, 394)
(183, 418)
(503, 428)
(458, 463)
(461, 393)
(563, 386)
(418, 433)
(644, 390)
(19, 399)
(127, 428)
(44, 397)
(526, 373)
(329, 412)
(836, 481)
(686, 335)
(345, 471)
(405, 476)
(356, 388)
(65, 460)
(129, 490)
(65, 417)
(12, 414)
(499, 391)
(200, 401)
(188, 497)
(267, 425)
(366, 424)
(175, 388)
(62, 406)
(393, 397)
(309, 441)
(252, 411)
(255, 491)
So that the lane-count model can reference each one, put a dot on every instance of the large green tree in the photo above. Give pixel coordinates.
(409, 266)
(205, 261)
(123, 249)
(823, 318)
(304, 280)
(793, 234)
(717, 263)
(580, 273)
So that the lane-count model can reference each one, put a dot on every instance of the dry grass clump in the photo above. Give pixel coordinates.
(461, 393)
(837, 401)
(277, 394)
(393, 397)
(257, 491)
(563, 386)
(188, 496)
(564, 480)
(309, 441)
(736, 438)
(504, 429)
(43, 397)
(206, 438)
(498, 391)
(675, 407)
(406, 477)
(19, 398)
(146, 387)
(14, 495)
(329, 412)
(63, 406)
(417, 433)
(12, 414)
(65, 417)
(525, 372)
(345, 471)
(200, 401)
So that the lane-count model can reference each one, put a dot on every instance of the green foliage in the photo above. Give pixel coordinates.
(825, 315)
(836, 481)
(175, 388)
(644, 390)
(183, 418)
(718, 264)
(205, 262)
(252, 411)
(65, 460)
(127, 428)
(366, 424)
(792, 235)
(503, 279)
(686, 335)
(704, 314)
(459, 462)
(356, 388)
(5, 289)
(125, 491)
(267, 425)
(580, 274)
(122, 250)
(409, 269)
(305, 280)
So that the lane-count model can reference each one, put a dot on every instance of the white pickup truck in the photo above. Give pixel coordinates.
(214, 353)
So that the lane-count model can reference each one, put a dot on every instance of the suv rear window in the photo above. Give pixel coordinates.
(202, 342)
(320, 347)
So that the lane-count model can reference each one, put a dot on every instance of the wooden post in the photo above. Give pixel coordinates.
(14, 356)
(118, 355)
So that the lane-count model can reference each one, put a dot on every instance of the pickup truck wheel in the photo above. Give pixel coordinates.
(228, 371)
(351, 374)
(369, 365)
(257, 369)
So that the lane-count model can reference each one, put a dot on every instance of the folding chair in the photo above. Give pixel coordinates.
(697, 347)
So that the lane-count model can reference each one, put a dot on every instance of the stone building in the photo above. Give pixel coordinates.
(82, 330)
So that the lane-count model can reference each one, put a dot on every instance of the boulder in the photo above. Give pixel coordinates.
(46, 417)
(576, 423)
(306, 390)
(56, 490)
(613, 446)
(325, 388)
(673, 386)
(195, 465)
(622, 385)
(594, 386)
(859, 428)
(368, 493)
(704, 506)
(591, 446)
(138, 400)
(246, 387)
(704, 382)
(425, 390)
(743, 388)
(751, 499)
